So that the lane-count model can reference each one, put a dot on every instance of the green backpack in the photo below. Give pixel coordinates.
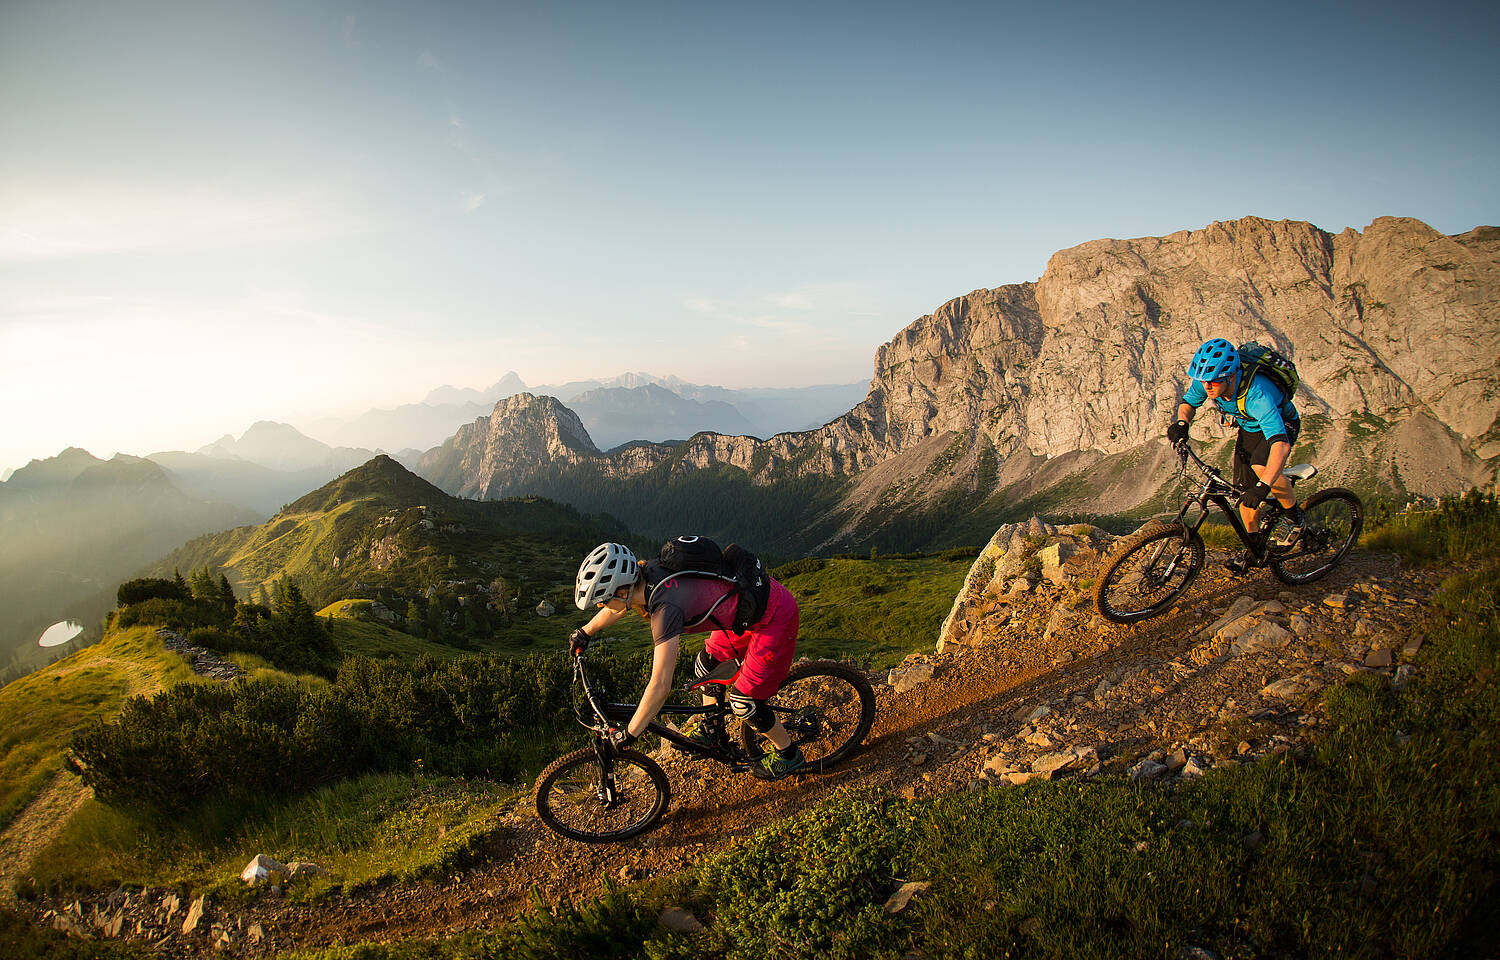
(1255, 359)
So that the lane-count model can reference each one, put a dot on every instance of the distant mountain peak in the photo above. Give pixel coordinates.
(54, 471)
(281, 446)
(506, 386)
(380, 478)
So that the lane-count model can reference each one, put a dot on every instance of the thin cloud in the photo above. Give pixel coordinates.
(428, 61)
(105, 219)
(473, 201)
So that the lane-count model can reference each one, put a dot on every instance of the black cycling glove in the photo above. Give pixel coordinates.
(621, 738)
(578, 642)
(1177, 432)
(1256, 495)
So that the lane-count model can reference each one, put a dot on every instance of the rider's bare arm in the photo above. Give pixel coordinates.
(663, 664)
(1185, 411)
(1276, 458)
(604, 619)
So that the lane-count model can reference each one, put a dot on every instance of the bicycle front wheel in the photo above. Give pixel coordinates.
(1330, 528)
(581, 798)
(1147, 572)
(828, 709)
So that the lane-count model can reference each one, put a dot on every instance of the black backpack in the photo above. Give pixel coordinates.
(700, 555)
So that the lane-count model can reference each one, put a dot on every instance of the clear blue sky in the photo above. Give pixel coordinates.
(214, 213)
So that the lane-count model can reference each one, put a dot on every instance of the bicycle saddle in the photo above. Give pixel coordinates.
(724, 673)
(1302, 471)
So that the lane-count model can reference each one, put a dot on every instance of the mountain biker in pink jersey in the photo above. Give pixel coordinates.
(611, 579)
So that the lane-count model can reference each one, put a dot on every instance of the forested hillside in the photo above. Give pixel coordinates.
(438, 567)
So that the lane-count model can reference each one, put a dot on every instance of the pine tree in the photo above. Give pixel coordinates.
(226, 594)
(203, 585)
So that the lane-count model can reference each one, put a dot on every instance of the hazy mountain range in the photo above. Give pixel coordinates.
(73, 526)
(636, 406)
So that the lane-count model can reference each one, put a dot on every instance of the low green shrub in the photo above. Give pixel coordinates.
(1461, 528)
(472, 716)
(813, 887)
(806, 565)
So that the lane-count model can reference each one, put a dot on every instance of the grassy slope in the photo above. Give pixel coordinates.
(876, 610)
(39, 712)
(397, 826)
(353, 634)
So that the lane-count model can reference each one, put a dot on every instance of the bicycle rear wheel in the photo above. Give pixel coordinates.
(578, 799)
(828, 709)
(1147, 572)
(1332, 521)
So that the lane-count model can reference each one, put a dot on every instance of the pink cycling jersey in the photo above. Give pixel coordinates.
(685, 603)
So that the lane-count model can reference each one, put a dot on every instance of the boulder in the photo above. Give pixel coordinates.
(262, 869)
(1048, 765)
(1234, 629)
(899, 900)
(1263, 636)
(1293, 689)
(904, 679)
(545, 609)
(1052, 558)
(1147, 769)
(676, 918)
(1240, 607)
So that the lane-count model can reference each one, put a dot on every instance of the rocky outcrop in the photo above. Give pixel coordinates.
(1204, 686)
(1008, 391)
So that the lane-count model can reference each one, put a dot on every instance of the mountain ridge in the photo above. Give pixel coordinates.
(1394, 331)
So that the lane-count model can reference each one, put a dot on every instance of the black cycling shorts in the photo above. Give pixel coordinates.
(1253, 450)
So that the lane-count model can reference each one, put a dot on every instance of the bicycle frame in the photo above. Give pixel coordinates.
(1217, 491)
(606, 713)
(1214, 491)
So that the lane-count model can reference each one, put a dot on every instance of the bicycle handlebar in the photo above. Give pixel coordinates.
(1186, 452)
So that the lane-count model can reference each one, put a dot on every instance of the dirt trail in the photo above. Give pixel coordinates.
(42, 820)
(36, 827)
(975, 711)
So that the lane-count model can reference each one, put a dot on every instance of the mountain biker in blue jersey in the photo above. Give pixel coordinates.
(1268, 426)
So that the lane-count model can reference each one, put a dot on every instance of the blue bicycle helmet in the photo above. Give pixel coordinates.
(1215, 360)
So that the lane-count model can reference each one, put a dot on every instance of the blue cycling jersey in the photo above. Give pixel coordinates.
(1269, 408)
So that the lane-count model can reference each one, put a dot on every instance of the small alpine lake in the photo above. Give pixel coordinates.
(60, 633)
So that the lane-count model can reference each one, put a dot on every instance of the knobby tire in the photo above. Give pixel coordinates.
(1131, 587)
(1334, 518)
(832, 711)
(567, 797)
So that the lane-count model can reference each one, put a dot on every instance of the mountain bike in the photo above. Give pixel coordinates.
(601, 794)
(1150, 569)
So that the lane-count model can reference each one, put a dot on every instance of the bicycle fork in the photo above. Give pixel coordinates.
(606, 791)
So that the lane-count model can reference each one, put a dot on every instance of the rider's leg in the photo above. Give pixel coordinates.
(760, 717)
(1246, 472)
(1258, 452)
(770, 646)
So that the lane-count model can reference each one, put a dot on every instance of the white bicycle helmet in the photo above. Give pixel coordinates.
(607, 568)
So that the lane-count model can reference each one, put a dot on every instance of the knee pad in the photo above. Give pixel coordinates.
(752, 711)
(704, 665)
